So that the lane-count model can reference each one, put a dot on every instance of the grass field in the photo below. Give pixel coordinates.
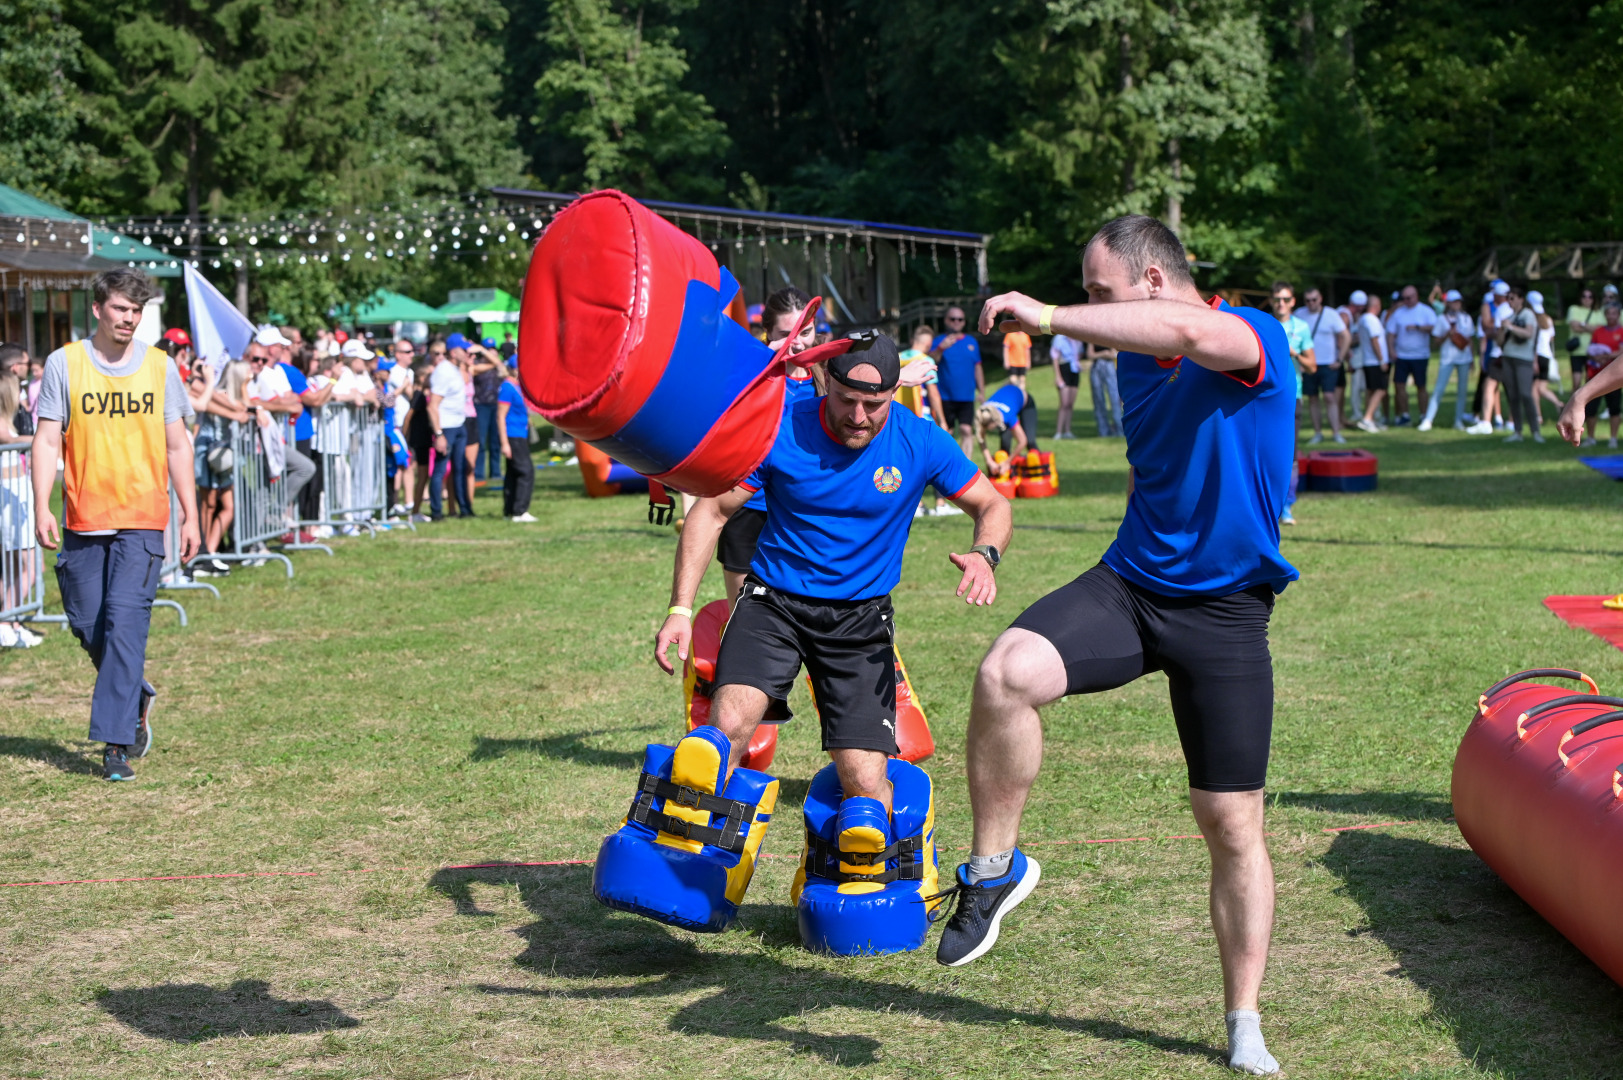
(481, 692)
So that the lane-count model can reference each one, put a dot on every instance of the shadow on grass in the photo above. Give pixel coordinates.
(754, 992)
(50, 752)
(569, 746)
(1407, 805)
(195, 1012)
(1517, 997)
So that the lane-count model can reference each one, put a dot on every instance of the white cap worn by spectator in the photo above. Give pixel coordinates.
(1501, 288)
(1452, 295)
(1359, 298)
(270, 335)
(1535, 300)
(355, 349)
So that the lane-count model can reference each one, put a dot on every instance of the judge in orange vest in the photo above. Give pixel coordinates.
(112, 409)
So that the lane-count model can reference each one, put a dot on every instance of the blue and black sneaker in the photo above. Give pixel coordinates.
(143, 723)
(972, 930)
(115, 763)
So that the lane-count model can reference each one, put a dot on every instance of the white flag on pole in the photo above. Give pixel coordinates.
(220, 333)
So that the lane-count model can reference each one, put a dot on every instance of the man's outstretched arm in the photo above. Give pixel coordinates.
(694, 550)
(994, 525)
(1217, 340)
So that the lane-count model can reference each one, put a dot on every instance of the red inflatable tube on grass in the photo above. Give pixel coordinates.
(1341, 470)
(1538, 794)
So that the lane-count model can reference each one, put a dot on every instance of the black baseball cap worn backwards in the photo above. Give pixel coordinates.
(868, 347)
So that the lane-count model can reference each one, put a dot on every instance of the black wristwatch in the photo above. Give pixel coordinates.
(989, 553)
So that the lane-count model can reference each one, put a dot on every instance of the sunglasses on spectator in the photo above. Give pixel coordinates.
(955, 318)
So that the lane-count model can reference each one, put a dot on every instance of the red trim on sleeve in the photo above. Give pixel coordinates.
(959, 493)
(1216, 304)
(745, 484)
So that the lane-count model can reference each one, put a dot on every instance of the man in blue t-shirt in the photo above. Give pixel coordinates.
(513, 421)
(841, 484)
(1187, 588)
(959, 376)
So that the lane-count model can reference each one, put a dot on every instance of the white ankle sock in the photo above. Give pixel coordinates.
(984, 867)
(1247, 1052)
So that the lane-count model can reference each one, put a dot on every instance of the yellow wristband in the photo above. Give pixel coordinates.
(678, 609)
(1046, 321)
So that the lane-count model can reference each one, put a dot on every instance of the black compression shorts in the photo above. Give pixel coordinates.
(958, 412)
(848, 649)
(738, 539)
(1214, 650)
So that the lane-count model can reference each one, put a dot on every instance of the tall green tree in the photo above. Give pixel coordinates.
(40, 109)
(612, 88)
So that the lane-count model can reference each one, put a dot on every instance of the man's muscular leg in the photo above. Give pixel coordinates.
(1242, 892)
(737, 710)
(863, 773)
(1022, 672)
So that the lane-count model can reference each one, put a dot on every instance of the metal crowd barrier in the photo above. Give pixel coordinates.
(353, 441)
(261, 505)
(22, 564)
(172, 575)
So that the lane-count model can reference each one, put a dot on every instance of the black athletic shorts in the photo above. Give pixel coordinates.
(1326, 378)
(738, 539)
(1028, 424)
(1404, 370)
(958, 412)
(1214, 650)
(1068, 375)
(1613, 400)
(847, 646)
(1375, 377)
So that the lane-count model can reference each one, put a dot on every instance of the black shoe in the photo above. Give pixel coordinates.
(973, 928)
(143, 726)
(115, 763)
(436, 517)
(467, 514)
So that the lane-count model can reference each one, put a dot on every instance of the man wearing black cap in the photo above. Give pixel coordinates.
(841, 483)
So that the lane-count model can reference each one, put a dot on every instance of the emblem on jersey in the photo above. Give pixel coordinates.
(887, 478)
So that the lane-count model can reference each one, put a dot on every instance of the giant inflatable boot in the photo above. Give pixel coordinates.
(699, 683)
(1538, 794)
(866, 880)
(687, 849)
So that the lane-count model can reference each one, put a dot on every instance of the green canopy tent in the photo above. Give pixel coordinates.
(493, 313)
(393, 311)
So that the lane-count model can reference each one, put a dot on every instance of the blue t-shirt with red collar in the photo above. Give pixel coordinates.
(794, 389)
(1211, 454)
(955, 371)
(837, 519)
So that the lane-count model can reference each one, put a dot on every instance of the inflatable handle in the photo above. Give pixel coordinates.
(1534, 673)
(1560, 703)
(1617, 781)
(1578, 729)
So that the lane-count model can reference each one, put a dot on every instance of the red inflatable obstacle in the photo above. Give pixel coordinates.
(1341, 470)
(604, 476)
(626, 342)
(698, 684)
(1036, 475)
(1589, 613)
(1538, 794)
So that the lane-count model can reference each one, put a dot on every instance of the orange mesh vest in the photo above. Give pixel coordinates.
(115, 463)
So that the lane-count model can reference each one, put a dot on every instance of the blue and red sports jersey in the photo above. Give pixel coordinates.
(837, 519)
(1211, 454)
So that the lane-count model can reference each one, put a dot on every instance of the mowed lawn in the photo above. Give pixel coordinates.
(481, 692)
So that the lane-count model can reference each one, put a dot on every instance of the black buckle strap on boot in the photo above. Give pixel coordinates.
(825, 858)
(729, 836)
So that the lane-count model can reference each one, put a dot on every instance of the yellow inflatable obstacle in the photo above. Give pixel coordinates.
(864, 876)
(687, 849)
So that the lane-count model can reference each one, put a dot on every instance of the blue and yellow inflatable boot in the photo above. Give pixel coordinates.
(867, 882)
(688, 846)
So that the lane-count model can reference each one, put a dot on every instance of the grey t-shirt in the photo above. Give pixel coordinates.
(53, 388)
(1522, 348)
